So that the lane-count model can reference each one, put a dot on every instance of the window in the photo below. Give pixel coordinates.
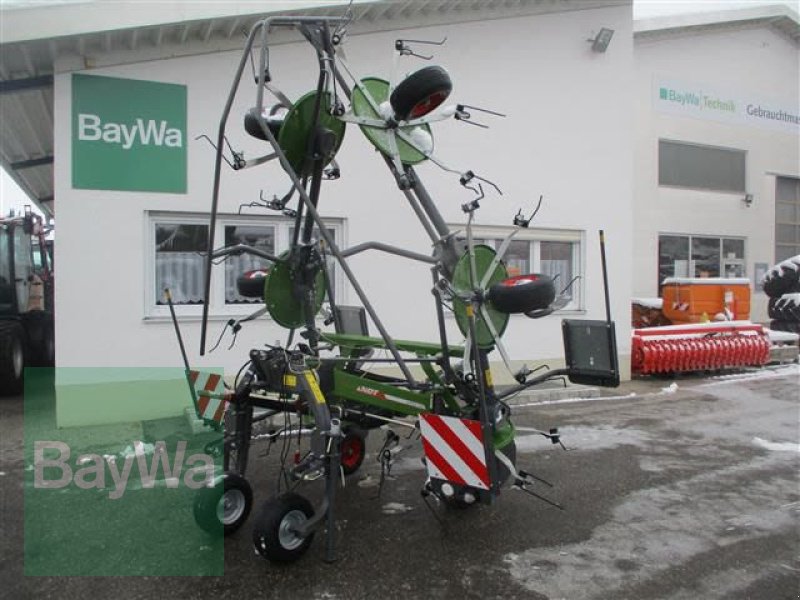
(700, 256)
(179, 242)
(180, 255)
(556, 253)
(787, 218)
(694, 166)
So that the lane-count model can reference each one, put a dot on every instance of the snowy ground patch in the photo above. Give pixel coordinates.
(777, 446)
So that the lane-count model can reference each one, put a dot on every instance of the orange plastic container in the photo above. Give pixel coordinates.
(694, 300)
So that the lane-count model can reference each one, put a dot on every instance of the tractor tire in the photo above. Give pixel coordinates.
(12, 358)
(788, 326)
(783, 278)
(251, 283)
(522, 294)
(41, 338)
(785, 308)
(224, 507)
(274, 537)
(420, 93)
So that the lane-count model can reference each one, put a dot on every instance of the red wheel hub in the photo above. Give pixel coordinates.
(352, 451)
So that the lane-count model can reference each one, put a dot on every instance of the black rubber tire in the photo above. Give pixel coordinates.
(420, 93)
(771, 310)
(41, 349)
(353, 448)
(251, 283)
(523, 293)
(785, 308)
(46, 351)
(12, 358)
(782, 280)
(252, 126)
(272, 528)
(788, 326)
(207, 501)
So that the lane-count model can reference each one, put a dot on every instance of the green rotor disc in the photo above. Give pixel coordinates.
(484, 255)
(283, 307)
(378, 89)
(297, 128)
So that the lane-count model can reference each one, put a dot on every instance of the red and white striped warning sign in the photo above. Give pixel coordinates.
(454, 450)
(209, 408)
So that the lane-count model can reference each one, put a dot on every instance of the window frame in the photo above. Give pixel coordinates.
(218, 308)
(711, 189)
(535, 236)
(781, 246)
(692, 262)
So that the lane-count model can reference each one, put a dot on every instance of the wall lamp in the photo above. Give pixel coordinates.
(601, 41)
(748, 200)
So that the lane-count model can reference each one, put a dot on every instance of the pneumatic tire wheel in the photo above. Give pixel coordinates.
(785, 308)
(275, 534)
(41, 338)
(12, 358)
(783, 278)
(251, 283)
(420, 93)
(787, 326)
(523, 293)
(224, 507)
(352, 449)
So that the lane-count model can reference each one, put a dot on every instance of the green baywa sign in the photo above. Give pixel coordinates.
(128, 135)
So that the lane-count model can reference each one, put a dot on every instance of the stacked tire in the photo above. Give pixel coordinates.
(782, 285)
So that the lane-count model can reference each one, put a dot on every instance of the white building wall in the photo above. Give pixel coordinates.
(568, 136)
(758, 63)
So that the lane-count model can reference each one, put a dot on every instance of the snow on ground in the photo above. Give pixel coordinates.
(777, 446)
(763, 373)
(584, 438)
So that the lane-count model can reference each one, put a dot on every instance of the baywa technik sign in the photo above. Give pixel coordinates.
(128, 135)
(703, 102)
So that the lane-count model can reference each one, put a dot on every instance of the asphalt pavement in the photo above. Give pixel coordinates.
(672, 490)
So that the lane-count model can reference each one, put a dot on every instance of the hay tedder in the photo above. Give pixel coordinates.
(322, 385)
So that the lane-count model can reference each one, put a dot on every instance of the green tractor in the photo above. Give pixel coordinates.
(26, 299)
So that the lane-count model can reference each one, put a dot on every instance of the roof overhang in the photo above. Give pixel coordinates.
(778, 17)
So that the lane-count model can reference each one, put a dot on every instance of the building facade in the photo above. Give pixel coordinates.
(717, 175)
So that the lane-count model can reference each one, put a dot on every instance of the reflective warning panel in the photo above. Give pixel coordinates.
(454, 450)
(208, 407)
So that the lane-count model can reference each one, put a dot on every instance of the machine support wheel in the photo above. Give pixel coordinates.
(353, 448)
(523, 293)
(12, 358)
(251, 283)
(275, 533)
(421, 92)
(224, 507)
